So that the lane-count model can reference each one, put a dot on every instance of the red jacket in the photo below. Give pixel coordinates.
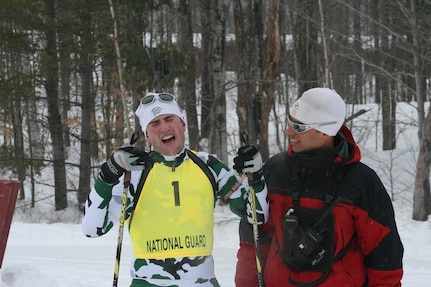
(366, 239)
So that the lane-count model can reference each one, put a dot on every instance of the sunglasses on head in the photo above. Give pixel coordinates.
(149, 99)
(299, 127)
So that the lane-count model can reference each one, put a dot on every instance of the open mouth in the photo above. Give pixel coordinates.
(168, 139)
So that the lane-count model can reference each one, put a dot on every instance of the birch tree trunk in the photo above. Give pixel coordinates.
(213, 116)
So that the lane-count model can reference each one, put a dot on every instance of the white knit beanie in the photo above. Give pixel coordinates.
(146, 113)
(319, 106)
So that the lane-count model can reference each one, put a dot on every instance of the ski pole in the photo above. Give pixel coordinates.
(252, 200)
(127, 177)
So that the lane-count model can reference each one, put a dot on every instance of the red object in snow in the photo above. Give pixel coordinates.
(8, 194)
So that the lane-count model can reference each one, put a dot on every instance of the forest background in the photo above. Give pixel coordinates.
(72, 73)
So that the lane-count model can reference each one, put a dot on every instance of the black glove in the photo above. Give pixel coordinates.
(249, 160)
(125, 158)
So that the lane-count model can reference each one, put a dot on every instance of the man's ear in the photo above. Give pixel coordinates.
(147, 139)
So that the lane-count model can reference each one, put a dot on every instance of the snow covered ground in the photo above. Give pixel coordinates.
(58, 255)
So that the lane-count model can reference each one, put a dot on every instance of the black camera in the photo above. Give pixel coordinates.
(309, 246)
(305, 248)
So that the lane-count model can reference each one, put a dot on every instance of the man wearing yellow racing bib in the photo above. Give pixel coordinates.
(170, 204)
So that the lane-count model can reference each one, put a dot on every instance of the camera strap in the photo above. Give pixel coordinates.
(336, 172)
(292, 221)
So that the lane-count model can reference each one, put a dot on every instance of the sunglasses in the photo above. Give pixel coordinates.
(299, 127)
(149, 99)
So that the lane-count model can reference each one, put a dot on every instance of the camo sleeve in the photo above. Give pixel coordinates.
(240, 202)
(103, 206)
(237, 193)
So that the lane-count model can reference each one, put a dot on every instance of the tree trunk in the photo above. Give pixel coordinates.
(35, 147)
(106, 107)
(213, 116)
(65, 62)
(207, 98)
(186, 83)
(247, 68)
(218, 137)
(87, 105)
(421, 196)
(122, 119)
(18, 139)
(418, 68)
(357, 96)
(386, 114)
(340, 75)
(55, 124)
(271, 71)
(388, 103)
(306, 46)
(37, 140)
(327, 80)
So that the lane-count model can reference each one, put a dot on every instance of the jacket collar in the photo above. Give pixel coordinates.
(172, 161)
(346, 152)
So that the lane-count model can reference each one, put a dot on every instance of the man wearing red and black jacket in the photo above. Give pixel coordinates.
(323, 200)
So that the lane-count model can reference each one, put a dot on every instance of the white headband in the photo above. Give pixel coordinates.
(147, 112)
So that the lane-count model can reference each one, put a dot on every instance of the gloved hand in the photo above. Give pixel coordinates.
(249, 160)
(125, 158)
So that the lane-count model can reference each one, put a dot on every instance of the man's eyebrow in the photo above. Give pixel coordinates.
(165, 117)
(154, 121)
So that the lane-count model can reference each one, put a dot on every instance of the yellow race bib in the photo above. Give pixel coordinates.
(174, 215)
